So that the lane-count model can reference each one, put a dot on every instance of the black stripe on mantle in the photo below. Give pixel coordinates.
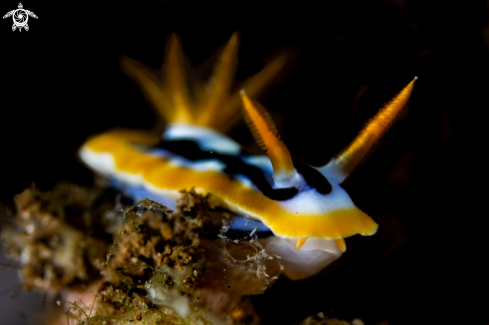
(191, 151)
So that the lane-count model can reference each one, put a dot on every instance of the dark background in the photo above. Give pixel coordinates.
(425, 182)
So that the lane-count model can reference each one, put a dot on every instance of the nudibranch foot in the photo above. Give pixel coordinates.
(314, 255)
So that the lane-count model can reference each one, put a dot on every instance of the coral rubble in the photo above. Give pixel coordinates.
(140, 263)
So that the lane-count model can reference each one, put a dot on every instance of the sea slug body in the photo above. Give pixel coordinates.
(304, 210)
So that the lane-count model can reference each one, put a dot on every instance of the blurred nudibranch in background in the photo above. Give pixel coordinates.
(299, 212)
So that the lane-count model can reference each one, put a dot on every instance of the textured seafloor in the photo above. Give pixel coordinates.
(107, 263)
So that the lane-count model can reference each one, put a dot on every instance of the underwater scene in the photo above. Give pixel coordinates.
(211, 162)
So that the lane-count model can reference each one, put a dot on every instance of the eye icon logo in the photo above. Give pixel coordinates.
(20, 17)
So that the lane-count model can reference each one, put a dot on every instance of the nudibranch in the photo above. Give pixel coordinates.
(300, 212)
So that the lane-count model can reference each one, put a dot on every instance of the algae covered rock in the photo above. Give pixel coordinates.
(106, 262)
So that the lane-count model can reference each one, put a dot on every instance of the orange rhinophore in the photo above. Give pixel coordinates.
(343, 164)
(265, 133)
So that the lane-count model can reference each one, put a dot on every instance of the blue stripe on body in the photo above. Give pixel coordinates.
(138, 193)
